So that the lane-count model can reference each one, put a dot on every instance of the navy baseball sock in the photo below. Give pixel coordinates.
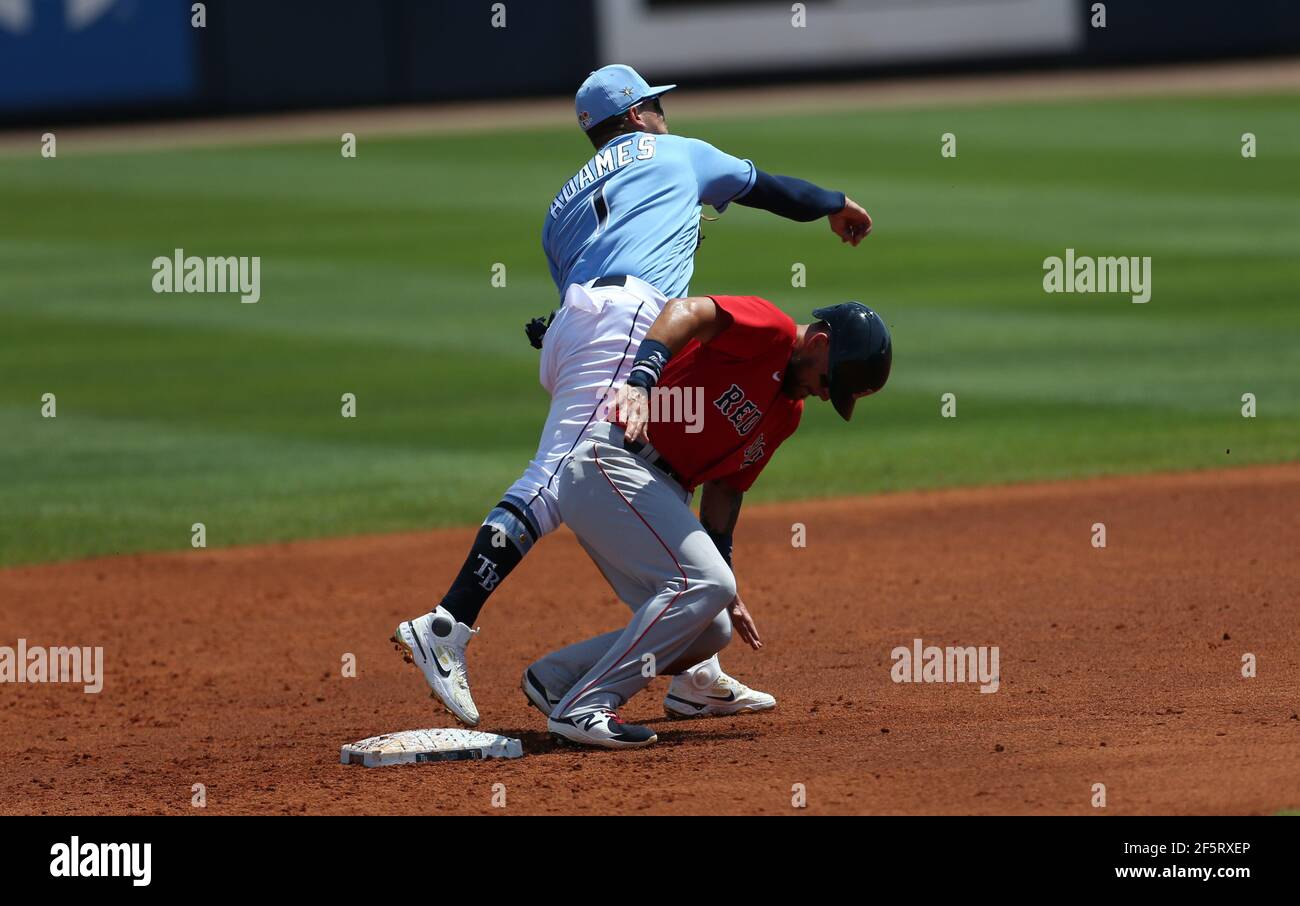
(503, 539)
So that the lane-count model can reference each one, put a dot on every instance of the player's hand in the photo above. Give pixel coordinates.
(853, 224)
(632, 411)
(744, 624)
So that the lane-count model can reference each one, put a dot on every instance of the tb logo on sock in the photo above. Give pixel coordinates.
(488, 573)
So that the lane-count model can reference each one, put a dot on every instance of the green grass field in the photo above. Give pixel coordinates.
(175, 409)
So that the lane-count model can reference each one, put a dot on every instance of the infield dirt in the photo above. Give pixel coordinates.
(1120, 666)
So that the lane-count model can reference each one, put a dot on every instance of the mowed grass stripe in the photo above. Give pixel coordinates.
(376, 281)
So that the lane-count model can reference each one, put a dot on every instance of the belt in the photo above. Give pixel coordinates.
(602, 282)
(652, 458)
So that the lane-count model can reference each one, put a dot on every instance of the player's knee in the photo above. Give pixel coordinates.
(533, 503)
(720, 589)
(513, 526)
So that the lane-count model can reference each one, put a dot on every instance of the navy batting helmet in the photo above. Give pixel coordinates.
(861, 353)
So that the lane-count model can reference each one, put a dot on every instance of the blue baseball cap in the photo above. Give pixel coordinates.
(612, 90)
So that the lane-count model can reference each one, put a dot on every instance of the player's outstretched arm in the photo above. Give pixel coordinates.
(719, 512)
(682, 320)
(798, 199)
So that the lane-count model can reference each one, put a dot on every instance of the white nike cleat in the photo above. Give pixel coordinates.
(726, 696)
(603, 729)
(436, 644)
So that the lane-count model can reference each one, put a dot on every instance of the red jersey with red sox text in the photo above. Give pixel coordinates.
(746, 416)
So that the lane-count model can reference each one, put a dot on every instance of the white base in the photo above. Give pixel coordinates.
(413, 746)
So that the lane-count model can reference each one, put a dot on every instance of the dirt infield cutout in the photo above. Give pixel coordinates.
(1120, 666)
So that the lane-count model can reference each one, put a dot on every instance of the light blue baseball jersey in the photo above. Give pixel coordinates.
(634, 210)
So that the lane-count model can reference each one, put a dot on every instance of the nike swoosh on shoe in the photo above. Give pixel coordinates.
(444, 672)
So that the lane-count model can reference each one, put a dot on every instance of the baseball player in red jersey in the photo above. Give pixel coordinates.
(626, 493)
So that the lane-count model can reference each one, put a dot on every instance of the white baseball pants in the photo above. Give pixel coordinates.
(588, 349)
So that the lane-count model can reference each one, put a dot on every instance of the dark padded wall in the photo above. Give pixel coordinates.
(294, 53)
(1157, 30)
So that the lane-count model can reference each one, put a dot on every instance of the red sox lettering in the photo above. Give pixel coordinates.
(743, 413)
(626, 493)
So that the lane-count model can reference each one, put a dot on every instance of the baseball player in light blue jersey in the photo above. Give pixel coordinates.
(620, 239)
(634, 209)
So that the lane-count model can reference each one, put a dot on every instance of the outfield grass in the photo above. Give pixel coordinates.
(376, 281)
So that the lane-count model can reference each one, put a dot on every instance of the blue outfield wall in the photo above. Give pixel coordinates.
(74, 59)
(55, 54)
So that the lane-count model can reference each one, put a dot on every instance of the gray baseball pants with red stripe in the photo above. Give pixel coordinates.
(638, 527)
